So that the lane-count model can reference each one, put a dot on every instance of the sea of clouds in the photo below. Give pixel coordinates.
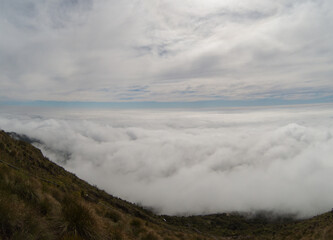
(193, 162)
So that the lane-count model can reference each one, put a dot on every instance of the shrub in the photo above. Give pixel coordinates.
(18, 222)
(13, 153)
(78, 220)
(45, 206)
(33, 228)
(58, 195)
(328, 234)
(137, 227)
(114, 216)
(150, 236)
(23, 189)
(6, 228)
(71, 237)
(136, 223)
(180, 235)
(117, 233)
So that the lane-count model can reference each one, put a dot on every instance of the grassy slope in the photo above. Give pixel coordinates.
(40, 200)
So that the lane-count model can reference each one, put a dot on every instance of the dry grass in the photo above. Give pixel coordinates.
(78, 220)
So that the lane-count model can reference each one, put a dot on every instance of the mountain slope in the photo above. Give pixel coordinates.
(40, 200)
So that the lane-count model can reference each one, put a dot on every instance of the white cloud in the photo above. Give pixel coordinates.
(194, 162)
(177, 51)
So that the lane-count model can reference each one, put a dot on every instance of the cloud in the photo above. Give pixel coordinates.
(194, 162)
(188, 51)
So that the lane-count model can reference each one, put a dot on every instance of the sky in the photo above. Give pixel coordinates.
(196, 161)
(156, 51)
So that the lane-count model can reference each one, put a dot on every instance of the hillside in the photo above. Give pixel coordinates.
(41, 200)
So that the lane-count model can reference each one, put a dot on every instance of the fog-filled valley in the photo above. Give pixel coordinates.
(193, 162)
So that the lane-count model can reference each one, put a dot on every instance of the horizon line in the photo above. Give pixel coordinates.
(171, 104)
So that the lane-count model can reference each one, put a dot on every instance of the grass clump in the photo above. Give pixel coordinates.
(113, 215)
(26, 192)
(78, 220)
(150, 236)
(17, 221)
(6, 215)
(136, 223)
(137, 227)
(116, 233)
(45, 206)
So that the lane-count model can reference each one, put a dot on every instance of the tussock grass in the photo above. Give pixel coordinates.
(150, 236)
(7, 216)
(136, 223)
(113, 215)
(78, 220)
(117, 232)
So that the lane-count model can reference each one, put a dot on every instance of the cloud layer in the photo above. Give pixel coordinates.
(195, 162)
(137, 50)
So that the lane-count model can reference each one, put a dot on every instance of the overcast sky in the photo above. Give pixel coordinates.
(165, 50)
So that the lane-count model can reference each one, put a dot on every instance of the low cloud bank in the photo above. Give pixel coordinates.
(196, 162)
